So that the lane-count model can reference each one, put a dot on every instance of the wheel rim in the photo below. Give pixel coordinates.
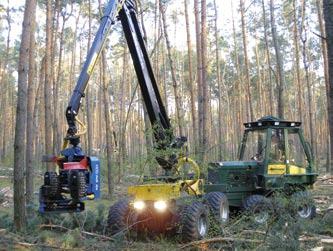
(261, 217)
(224, 213)
(304, 211)
(202, 226)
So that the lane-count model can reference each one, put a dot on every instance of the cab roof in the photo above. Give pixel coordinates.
(274, 122)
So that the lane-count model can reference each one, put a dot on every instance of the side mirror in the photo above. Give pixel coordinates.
(310, 150)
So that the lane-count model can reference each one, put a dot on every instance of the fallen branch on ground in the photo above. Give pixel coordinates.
(103, 237)
(26, 244)
(129, 227)
(248, 231)
(219, 239)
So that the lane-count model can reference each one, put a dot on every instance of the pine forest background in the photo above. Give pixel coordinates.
(217, 63)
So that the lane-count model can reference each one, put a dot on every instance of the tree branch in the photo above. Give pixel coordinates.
(219, 239)
(103, 237)
(318, 35)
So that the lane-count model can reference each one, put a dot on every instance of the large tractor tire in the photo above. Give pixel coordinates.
(303, 204)
(118, 217)
(259, 207)
(194, 222)
(219, 207)
(77, 184)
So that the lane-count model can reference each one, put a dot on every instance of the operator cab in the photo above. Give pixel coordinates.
(277, 145)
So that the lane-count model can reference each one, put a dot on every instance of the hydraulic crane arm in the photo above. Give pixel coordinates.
(144, 72)
(79, 175)
(125, 11)
(73, 108)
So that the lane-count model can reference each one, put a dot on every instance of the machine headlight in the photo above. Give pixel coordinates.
(160, 205)
(139, 205)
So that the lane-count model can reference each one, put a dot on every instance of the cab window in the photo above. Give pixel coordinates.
(255, 145)
(297, 154)
(277, 153)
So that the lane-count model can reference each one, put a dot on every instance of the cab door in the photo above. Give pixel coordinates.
(296, 157)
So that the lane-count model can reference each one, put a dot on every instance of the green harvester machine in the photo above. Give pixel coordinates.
(273, 157)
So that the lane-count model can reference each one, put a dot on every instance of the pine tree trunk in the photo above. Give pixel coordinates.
(205, 91)
(326, 75)
(247, 73)
(57, 124)
(173, 72)
(122, 113)
(328, 14)
(279, 64)
(88, 91)
(5, 93)
(190, 76)
(297, 56)
(21, 117)
(30, 111)
(148, 134)
(199, 77)
(237, 89)
(268, 57)
(108, 130)
(48, 84)
(219, 84)
(307, 77)
(259, 81)
(107, 116)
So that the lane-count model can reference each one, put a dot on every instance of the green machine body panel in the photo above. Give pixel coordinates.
(234, 178)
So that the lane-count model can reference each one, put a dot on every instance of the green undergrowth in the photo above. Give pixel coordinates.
(282, 231)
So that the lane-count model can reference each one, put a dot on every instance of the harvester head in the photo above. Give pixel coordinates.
(77, 179)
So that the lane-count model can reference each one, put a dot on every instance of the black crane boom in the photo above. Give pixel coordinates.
(126, 12)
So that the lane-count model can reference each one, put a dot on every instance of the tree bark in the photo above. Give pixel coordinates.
(279, 64)
(88, 91)
(268, 57)
(190, 76)
(247, 73)
(55, 99)
(326, 75)
(204, 83)
(21, 116)
(297, 66)
(48, 84)
(147, 125)
(238, 89)
(199, 75)
(307, 77)
(5, 93)
(328, 17)
(122, 113)
(30, 111)
(219, 84)
(108, 130)
(107, 116)
(173, 72)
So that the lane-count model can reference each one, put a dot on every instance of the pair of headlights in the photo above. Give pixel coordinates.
(159, 205)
